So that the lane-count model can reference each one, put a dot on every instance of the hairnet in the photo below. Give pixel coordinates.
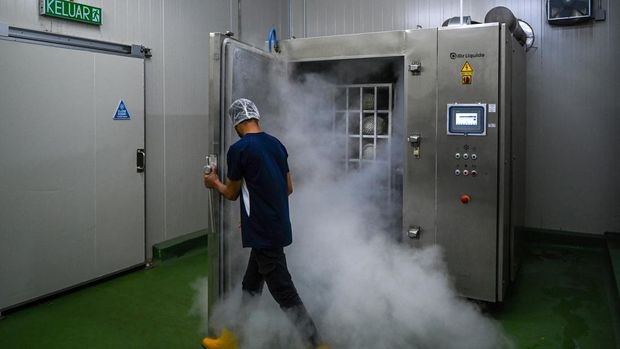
(242, 109)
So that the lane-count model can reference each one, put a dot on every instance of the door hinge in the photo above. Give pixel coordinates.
(414, 232)
(415, 68)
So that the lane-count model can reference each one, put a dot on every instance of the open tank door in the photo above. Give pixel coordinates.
(236, 70)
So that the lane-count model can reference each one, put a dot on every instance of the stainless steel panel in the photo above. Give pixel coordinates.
(504, 162)
(246, 75)
(215, 121)
(71, 201)
(419, 188)
(345, 46)
(468, 232)
(245, 72)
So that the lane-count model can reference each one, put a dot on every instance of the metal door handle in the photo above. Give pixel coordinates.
(140, 160)
(415, 140)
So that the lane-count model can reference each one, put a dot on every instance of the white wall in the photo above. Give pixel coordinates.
(177, 31)
(572, 99)
(257, 18)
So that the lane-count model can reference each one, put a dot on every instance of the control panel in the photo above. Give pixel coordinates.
(466, 163)
(467, 119)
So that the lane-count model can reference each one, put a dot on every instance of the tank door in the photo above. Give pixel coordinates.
(237, 70)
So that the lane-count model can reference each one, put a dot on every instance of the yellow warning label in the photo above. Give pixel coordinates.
(467, 68)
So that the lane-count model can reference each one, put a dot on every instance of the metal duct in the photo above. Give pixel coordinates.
(501, 14)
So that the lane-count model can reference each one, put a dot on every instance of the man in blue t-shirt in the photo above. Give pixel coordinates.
(258, 171)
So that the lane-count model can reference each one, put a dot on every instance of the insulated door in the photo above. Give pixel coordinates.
(244, 72)
(71, 198)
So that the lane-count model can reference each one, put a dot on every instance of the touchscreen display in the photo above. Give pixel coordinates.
(466, 119)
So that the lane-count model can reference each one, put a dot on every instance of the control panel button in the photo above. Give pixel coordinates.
(474, 156)
(465, 173)
(457, 172)
(457, 155)
(474, 173)
(465, 156)
(465, 199)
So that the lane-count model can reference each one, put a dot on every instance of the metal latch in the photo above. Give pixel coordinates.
(415, 68)
(414, 232)
(140, 160)
(415, 140)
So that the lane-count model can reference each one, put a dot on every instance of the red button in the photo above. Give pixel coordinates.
(465, 199)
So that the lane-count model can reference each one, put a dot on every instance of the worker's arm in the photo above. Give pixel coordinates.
(289, 183)
(230, 190)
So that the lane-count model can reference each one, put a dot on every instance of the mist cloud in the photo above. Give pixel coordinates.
(363, 288)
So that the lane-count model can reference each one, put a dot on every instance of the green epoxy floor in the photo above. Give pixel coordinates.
(560, 300)
(144, 309)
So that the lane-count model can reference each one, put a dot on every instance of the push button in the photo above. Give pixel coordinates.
(465, 199)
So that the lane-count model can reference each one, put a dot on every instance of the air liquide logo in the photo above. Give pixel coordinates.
(455, 55)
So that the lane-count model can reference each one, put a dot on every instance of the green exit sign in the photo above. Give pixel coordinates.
(71, 11)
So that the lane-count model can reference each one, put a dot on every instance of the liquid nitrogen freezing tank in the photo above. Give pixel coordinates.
(446, 115)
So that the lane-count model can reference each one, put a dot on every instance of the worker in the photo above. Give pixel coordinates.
(258, 170)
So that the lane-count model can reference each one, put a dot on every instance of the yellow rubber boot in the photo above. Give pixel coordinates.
(227, 340)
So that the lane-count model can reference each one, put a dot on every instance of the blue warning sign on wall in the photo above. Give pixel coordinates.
(121, 112)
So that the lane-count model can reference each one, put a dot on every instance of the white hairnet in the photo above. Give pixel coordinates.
(242, 109)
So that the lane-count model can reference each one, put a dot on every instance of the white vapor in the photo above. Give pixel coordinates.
(362, 288)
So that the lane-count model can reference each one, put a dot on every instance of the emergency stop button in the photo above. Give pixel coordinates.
(465, 199)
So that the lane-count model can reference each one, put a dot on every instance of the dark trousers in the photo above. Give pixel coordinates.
(269, 266)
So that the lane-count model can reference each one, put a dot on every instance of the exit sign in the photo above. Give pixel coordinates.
(71, 11)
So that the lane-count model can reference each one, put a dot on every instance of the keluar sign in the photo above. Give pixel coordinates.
(71, 11)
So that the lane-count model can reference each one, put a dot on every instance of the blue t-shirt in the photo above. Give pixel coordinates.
(261, 161)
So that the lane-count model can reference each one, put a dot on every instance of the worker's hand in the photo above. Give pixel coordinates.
(212, 178)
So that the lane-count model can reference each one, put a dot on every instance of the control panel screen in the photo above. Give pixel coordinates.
(466, 119)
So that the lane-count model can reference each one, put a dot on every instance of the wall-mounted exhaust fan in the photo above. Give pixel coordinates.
(566, 12)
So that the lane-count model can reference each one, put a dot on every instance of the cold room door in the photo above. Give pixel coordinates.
(71, 197)
(247, 73)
